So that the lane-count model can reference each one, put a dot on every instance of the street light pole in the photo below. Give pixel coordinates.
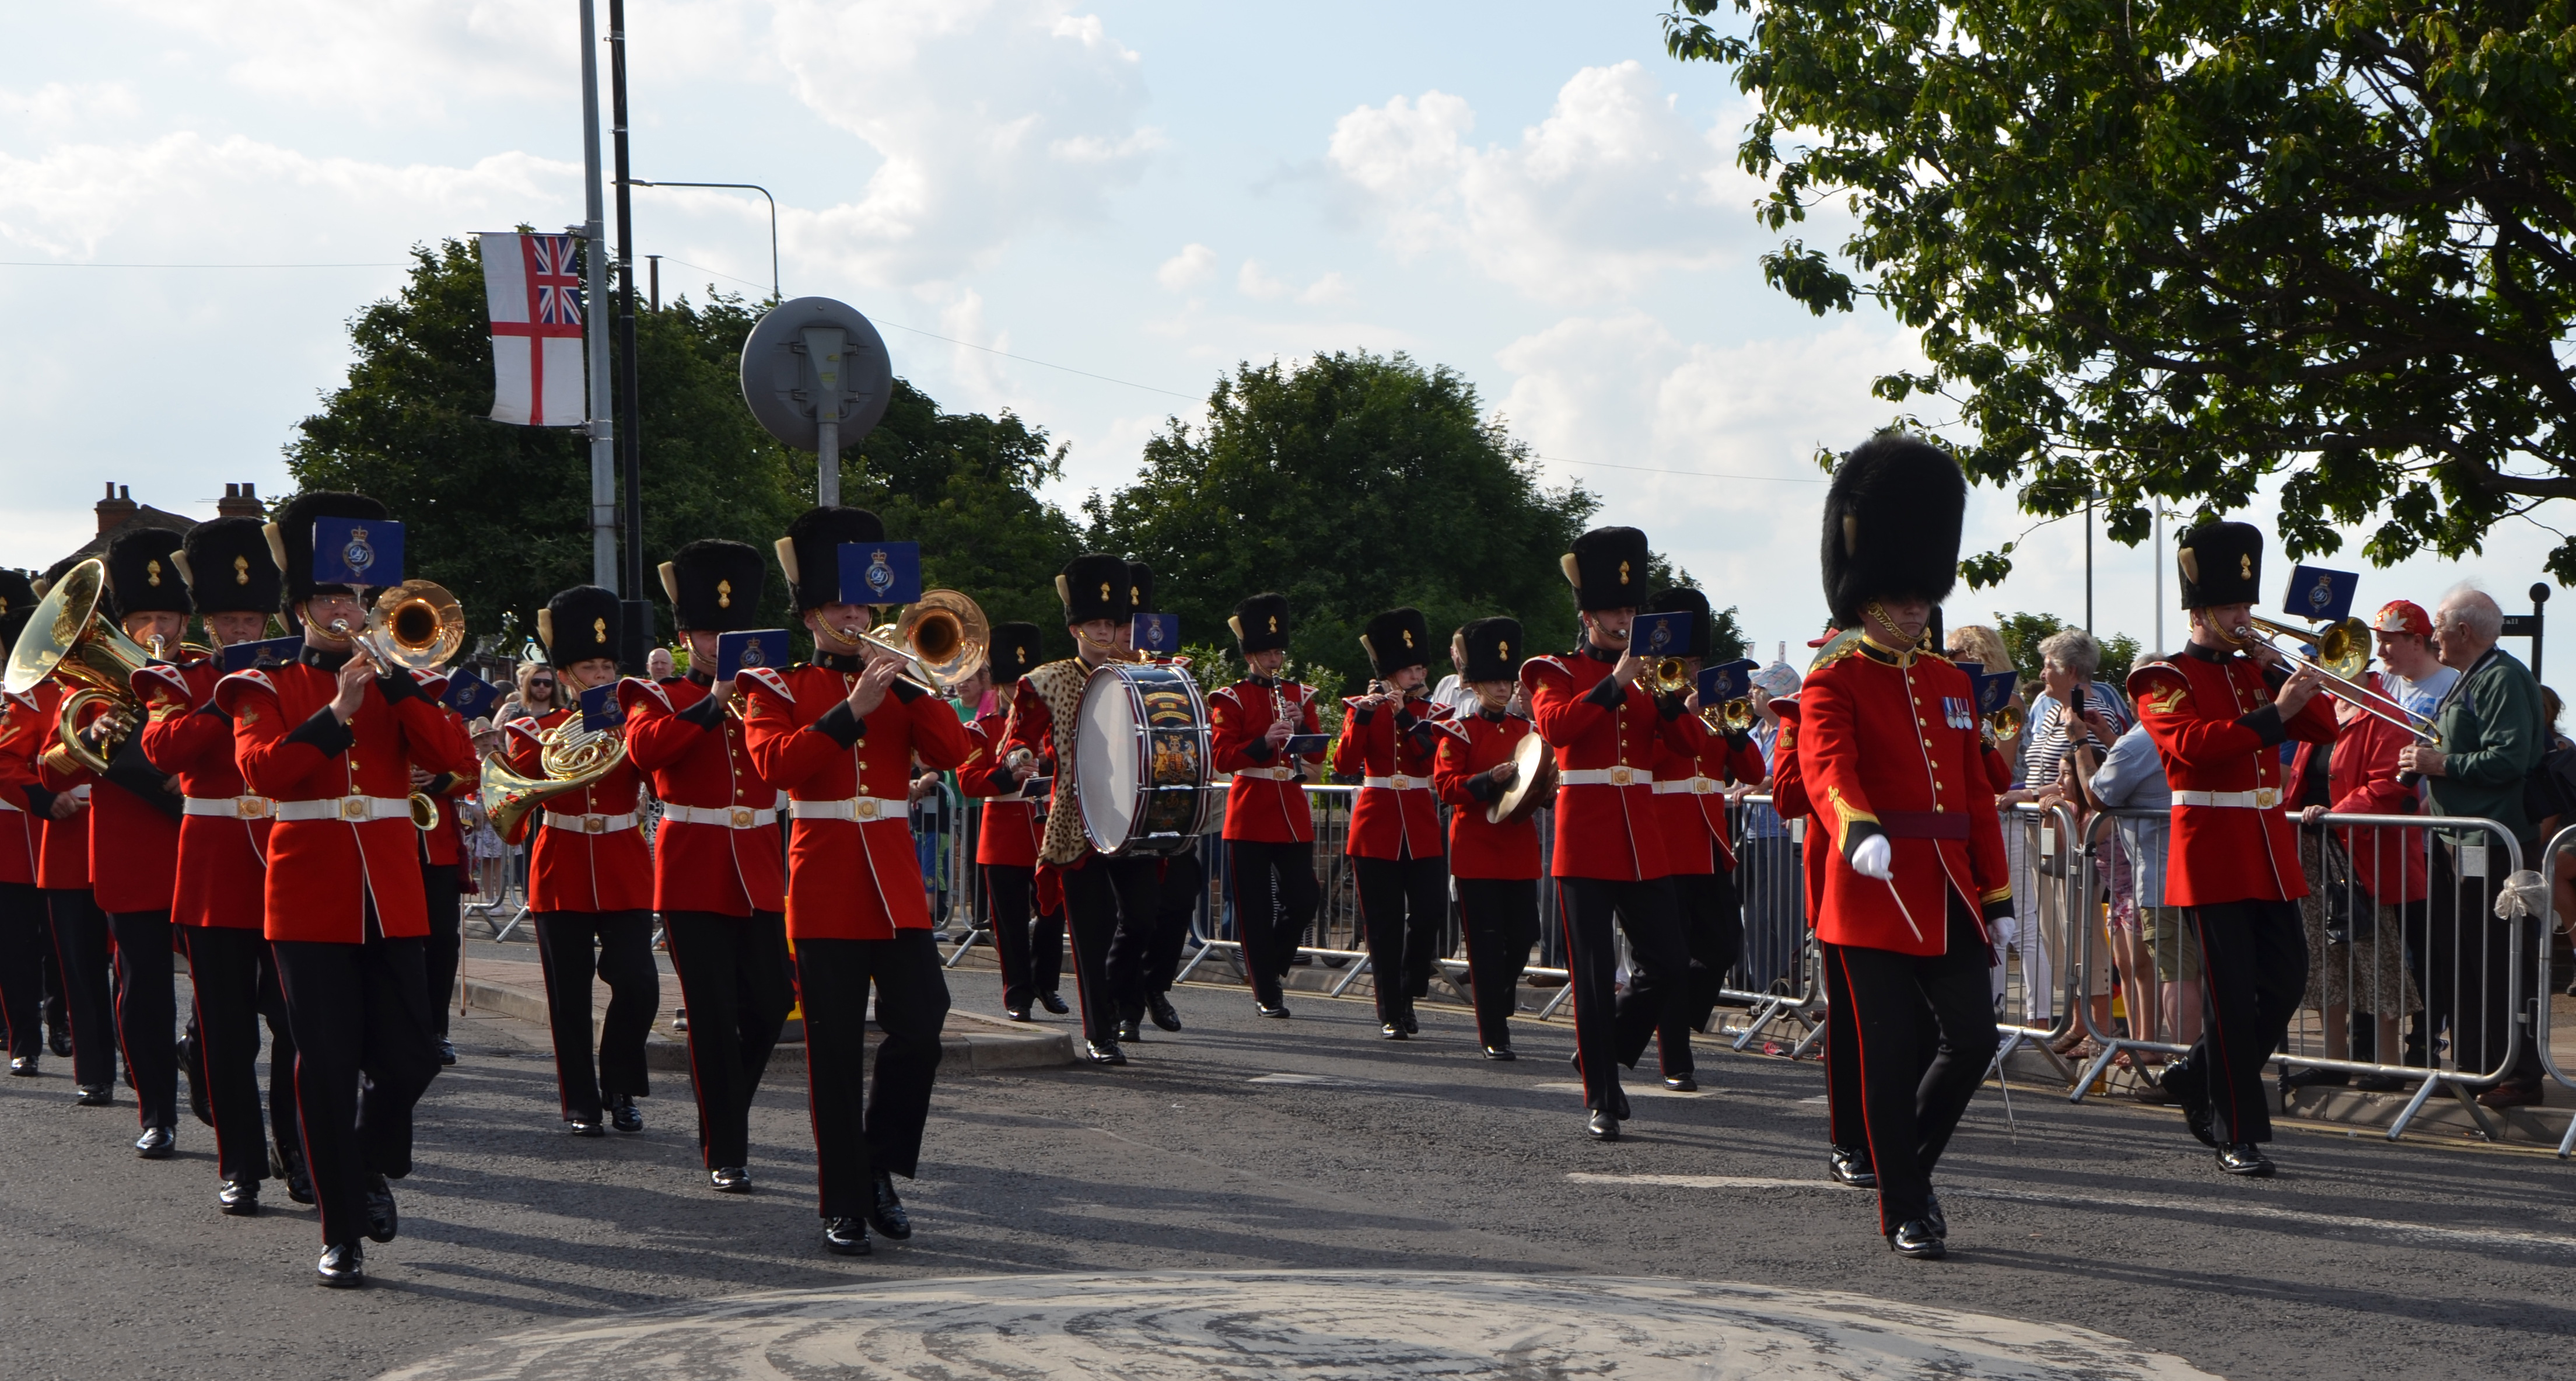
(602, 429)
(635, 609)
(774, 294)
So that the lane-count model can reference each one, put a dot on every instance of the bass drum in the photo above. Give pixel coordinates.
(1141, 760)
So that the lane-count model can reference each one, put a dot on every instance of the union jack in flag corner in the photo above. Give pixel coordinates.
(533, 286)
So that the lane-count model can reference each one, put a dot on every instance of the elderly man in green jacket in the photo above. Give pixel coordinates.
(2493, 731)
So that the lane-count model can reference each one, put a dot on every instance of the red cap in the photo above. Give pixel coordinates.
(2402, 616)
(1831, 633)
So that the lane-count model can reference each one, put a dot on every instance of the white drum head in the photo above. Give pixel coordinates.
(1109, 767)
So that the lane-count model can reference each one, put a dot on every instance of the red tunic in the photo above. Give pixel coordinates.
(1008, 836)
(323, 870)
(852, 873)
(2215, 727)
(723, 857)
(1471, 744)
(133, 840)
(1396, 813)
(1267, 801)
(1890, 740)
(23, 799)
(223, 840)
(1690, 796)
(1606, 747)
(1789, 801)
(589, 854)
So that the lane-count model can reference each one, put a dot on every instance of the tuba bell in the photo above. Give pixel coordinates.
(70, 639)
(946, 632)
(416, 625)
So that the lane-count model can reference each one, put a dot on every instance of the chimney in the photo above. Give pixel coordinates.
(241, 501)
(113, 510)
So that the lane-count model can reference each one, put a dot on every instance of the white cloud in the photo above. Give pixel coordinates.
(386, 59)
(1613, 188)
(1255, 282)
(1332, 287)
(1195, 264)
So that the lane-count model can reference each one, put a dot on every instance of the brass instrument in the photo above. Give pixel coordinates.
(571, 758)
(2006, 722)
(2343, 654)
(1672, 677)
(424, 811)
(881, 638)
(416, 625)
(947, 633)
(69, 637)
(1734, 717)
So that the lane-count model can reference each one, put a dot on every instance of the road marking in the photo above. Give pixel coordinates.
(2478, 1237)
(1656, 1090)
(1294, 1079)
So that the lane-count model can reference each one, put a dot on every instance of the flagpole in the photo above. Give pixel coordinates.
(602, 429)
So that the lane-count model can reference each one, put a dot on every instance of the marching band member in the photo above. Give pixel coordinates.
(219, 907)
(590, 885)
(1044, 709)
(719, 879)
(332, 740)
(23, 806)
(2219, 712)
(1397, 855)
(1607, 732)
(1496, 866)
(1890, 754)
(442, 869)
(1029, 948)
(79, 928)
(1269, 829)
(840, 734)
(1180, 879)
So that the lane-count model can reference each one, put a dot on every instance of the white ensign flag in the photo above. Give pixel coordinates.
(534, 289)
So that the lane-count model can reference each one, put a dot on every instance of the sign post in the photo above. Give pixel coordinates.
(816, 375)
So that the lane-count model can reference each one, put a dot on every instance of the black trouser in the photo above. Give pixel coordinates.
(624, 960)
(80, 959)
(859, 1130)
(2254, 968)
(1271, 888)
(363, 1055)
(1184, 882)
(734, 979)
(1846, 1122)
(22, 980)
(147, 1013)
(235, 982)
(445, 894)
(1500, 917)
(1911, 1105)
(1712, 931)
(2470, 963)
(1029, 950)
(1097, 897)
(1404, 903)
(1645, 912)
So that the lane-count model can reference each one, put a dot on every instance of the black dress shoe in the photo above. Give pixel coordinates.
(1165, 1015)
(1500, 1052)
(1412, 1027)
(446, 1051)
(2309, 1076)
(23, 1066)
(2185, 1082)
(1053, 1002)
(1601, 1124)
(96, 1096)
(1103, 1053)
(60, 1040)
(2245, 1158)
(2378, 1083)
(1682, 1083)
(1619, 1104)
(846, 1236)
(624, 1115)
(1393, 1030)
(589, 1126)
(1847, 1165)
(156, 1143)
(1932, 1214)
(885, 1212)
(288, 1164)
(344, 1266)
(1915, 1238)
(240, 1198)
(382, 1221)
(1270, 1009)
(1131, 1030)
(1018, 1014)
(730, 1179)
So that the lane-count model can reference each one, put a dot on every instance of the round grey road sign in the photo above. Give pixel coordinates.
(812, 354)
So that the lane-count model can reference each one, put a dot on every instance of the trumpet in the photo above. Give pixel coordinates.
(2343, 653)
(1672, 677)
(70, 638)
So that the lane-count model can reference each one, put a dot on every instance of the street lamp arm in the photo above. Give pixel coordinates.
(774, 293)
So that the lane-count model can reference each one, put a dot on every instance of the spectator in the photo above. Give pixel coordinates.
(2492, 734)
(2147, 935)
(533, 696)
(2372, 881)
(2415, 678)
(2562, 864)
(2068, 661)
(659, 666)
(1975, 642)
(1772, 873)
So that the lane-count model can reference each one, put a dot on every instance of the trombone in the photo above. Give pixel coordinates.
(941, 639)
(2343, 653)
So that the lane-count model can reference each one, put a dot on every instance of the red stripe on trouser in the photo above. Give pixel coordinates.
(2225, 1076)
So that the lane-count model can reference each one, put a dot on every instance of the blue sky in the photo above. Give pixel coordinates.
(1531, 194)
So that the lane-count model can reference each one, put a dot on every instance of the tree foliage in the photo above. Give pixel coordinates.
(2170, 250)
(1353, 483)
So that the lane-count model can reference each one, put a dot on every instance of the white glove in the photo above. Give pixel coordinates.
(1871, 859)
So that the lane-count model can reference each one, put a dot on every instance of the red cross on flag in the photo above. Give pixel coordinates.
(534, 288)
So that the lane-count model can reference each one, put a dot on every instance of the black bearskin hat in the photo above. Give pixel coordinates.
(714, 586)
(1260, 623)
(1892, 523)
(228, 568)
(1140, 587)
(810, 554)
(1095, 587)
(1493, 650)
(577, 625)
(1682, 599)
(290, 540)
(141, 576)
(1397, 639)
(1014, 652)
(2221, 563)
(1607, 568)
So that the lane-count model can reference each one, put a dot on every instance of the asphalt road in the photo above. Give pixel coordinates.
(2412, 1261)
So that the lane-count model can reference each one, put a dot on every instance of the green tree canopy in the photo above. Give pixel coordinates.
(2170, 250)
(1353, 483)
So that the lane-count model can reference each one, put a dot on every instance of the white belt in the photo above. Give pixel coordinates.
(1696, 786)
(2262, 798)
(350, 808)
(855, 809)
(730, 817)
(231, 807)
(1605, 776)
(1398, 782)
(590, 824)
(1284, 774)
(81, 792)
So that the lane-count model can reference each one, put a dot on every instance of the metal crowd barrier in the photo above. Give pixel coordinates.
(2562, 844)
(2405, 951)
